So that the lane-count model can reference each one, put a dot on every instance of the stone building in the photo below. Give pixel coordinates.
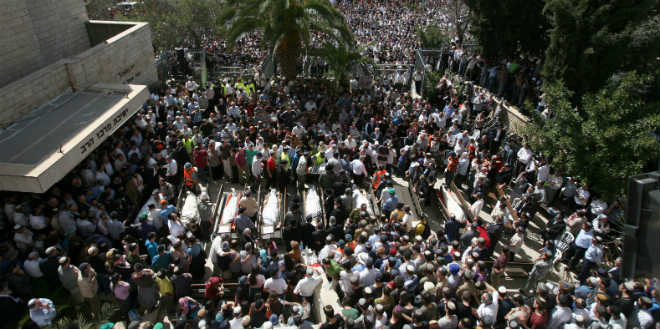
(66, 84)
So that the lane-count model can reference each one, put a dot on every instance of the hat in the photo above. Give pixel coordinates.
(601, 297)
(579, 318)
(63, 260)
(51, 249)
(410, 269)
(274, 319)
(501, 289)
(454, 268)
(160, 325)
(33, 254)
(237, 310)
(629, 285)
(17, 227)
(362, 302)
(646, 300)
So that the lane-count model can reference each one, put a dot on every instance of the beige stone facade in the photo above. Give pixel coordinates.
(125, 57)
(36, 33)
(52, 52)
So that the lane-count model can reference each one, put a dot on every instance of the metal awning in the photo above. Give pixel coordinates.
(41, 148)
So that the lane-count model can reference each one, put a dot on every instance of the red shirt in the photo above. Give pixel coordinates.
(201, 158)
(270, 164)
(538, 321)
(483, 233)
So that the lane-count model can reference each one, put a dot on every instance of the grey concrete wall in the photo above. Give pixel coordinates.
(99, 31)
(23, 95)
(122, 59)
(36, 33)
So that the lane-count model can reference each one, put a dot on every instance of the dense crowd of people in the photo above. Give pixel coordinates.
(110, 231)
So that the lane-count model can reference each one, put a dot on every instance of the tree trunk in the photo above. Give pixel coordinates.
(288, 52)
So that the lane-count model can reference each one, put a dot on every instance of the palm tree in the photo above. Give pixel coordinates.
(286, 25)
(341, 59)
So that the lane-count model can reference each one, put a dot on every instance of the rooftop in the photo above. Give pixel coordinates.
(43, 146)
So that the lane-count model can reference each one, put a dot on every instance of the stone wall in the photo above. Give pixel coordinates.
(121, 59)
(21, 96)
(124, 58)
(36, 33)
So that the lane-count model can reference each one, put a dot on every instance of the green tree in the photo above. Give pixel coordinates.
(432, 37)
(341, 59)
(507, 28)
(287, 26)
(174, 22)
(608, 140)
(592, 40)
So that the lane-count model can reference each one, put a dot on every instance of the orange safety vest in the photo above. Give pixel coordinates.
(377, 177)
(188, 176)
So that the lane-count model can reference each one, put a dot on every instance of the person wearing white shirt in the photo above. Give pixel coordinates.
(307, 286)
(597, 206)
(175, 226)
(369, 274)
(580, 245)
(617, 319)
(601, 225)
(644, 318)
(487, 311)
(592, 258)
(38, 221)
(525, 155)
(477, 206)
(171, 169)
(31, 265)
(237, 321)
(561, 314)
(298, 131)
(581, 196)
(275, 285)
(23, 237)
(257, 166)
(191, 85)
(359, 170)
(234, 111)
(310, 105)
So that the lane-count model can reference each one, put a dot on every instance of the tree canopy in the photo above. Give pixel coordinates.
(605, 142)
(177, 22)
(287, 26)
(592, 40)
(506, 29)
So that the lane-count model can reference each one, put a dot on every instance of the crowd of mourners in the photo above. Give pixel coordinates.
(110, 232)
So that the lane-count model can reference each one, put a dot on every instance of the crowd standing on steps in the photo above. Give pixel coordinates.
(110, 232)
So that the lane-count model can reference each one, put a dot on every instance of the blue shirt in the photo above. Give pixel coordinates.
(584, 238)
(390, 204)
(161, 261)
(594, 254)
(451, 229)
(152, 248)
(165, 213)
